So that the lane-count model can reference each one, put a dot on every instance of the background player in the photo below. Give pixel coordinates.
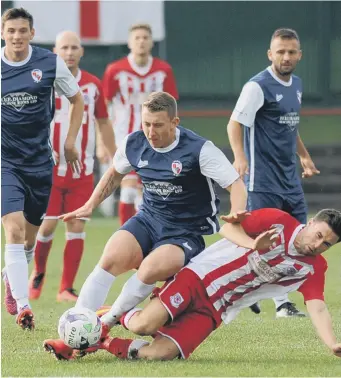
(29, 75)
(174, 215)
(71, 190)
(126, 84)
(268, 108)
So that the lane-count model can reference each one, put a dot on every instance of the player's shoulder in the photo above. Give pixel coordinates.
(273, 213)
(261, 77)
(118, 65)
(191, 135)
(320, 264)
(88, 78)
(161, 64)
(296, 78)
(41, 53)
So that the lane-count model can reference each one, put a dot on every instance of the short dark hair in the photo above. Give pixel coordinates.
(161, 101)
(333, 218)
(14, 13)
(285, 33)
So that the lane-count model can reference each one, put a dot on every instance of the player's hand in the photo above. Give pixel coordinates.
(83, 212)
(265, 239)
(237, 217)
(103, 154)
(72, 157)
(336, 348)
(241, 165)
(309, 168)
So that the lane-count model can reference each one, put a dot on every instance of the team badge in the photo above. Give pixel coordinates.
(176, 300)
(36, 75)
(176, 167)
(299, 96)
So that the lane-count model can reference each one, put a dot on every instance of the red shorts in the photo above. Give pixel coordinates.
(193, 316)
(69, 196)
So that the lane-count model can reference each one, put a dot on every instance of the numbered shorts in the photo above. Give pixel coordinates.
(26, 191)
(193, 318)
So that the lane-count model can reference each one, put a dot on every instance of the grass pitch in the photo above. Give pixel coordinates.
(253, 345)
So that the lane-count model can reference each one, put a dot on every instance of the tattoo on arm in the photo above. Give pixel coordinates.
(108, 188)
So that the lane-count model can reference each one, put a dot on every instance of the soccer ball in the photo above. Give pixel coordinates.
(79, 328)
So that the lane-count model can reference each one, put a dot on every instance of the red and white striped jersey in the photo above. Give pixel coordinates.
(126, 86)
(94, 107)
(236, 277)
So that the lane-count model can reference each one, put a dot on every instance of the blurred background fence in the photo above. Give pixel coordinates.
(215, 47)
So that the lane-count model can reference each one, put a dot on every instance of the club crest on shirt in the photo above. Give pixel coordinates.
(299, 96)
(36, 75)
(176, 167)
(176, 300)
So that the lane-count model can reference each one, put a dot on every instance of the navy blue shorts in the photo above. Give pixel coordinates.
(151, 234)
(25, 191)
(294, 204)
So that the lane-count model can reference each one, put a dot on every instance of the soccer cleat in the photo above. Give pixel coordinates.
(255, 308)
(36, 284)
(67, 295)
(94, 348)
(10, 302)
(25, 318)
(287, 310)
(59, 349)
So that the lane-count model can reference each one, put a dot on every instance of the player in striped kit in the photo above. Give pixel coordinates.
(71, 190)
(126, 84)
(231, 275)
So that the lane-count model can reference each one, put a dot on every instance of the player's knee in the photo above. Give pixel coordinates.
(142, 327)
(75, 226)
(15, 233)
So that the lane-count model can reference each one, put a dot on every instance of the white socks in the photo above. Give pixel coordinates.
(17, 273)
(95, 289)
(280, 300)
(133, 292)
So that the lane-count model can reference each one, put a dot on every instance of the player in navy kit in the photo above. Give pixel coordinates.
(178, 169)
(28, 77)
(268, 108)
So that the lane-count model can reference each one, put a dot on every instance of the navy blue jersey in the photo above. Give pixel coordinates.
(269, 109)
(178, 181)
(27, 105)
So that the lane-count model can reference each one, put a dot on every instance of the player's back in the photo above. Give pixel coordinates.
(27, 101)
(271, 143)
(127, 86)
(175, 191)
(90, 87)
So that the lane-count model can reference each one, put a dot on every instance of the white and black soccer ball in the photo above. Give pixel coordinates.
(79, 328)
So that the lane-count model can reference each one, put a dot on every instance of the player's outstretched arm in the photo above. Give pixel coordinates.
(238, 195)
(108, 183)
(322, 321)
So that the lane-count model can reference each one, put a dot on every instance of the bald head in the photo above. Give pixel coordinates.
(68, 46)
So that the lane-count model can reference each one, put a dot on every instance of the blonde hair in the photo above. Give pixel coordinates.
(146, 27)
(160, 102)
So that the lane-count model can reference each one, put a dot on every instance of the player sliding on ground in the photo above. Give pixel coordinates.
(270, 253)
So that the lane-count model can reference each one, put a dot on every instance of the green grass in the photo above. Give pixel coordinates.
(314, 130)
(250, 346)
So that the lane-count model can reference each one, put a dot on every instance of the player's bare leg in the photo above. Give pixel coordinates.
(127, 198)
(157, 266)
(73, 252)
(121, 254)
(16, 276)
(42, 250)
(146, 321)
(161, 348)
